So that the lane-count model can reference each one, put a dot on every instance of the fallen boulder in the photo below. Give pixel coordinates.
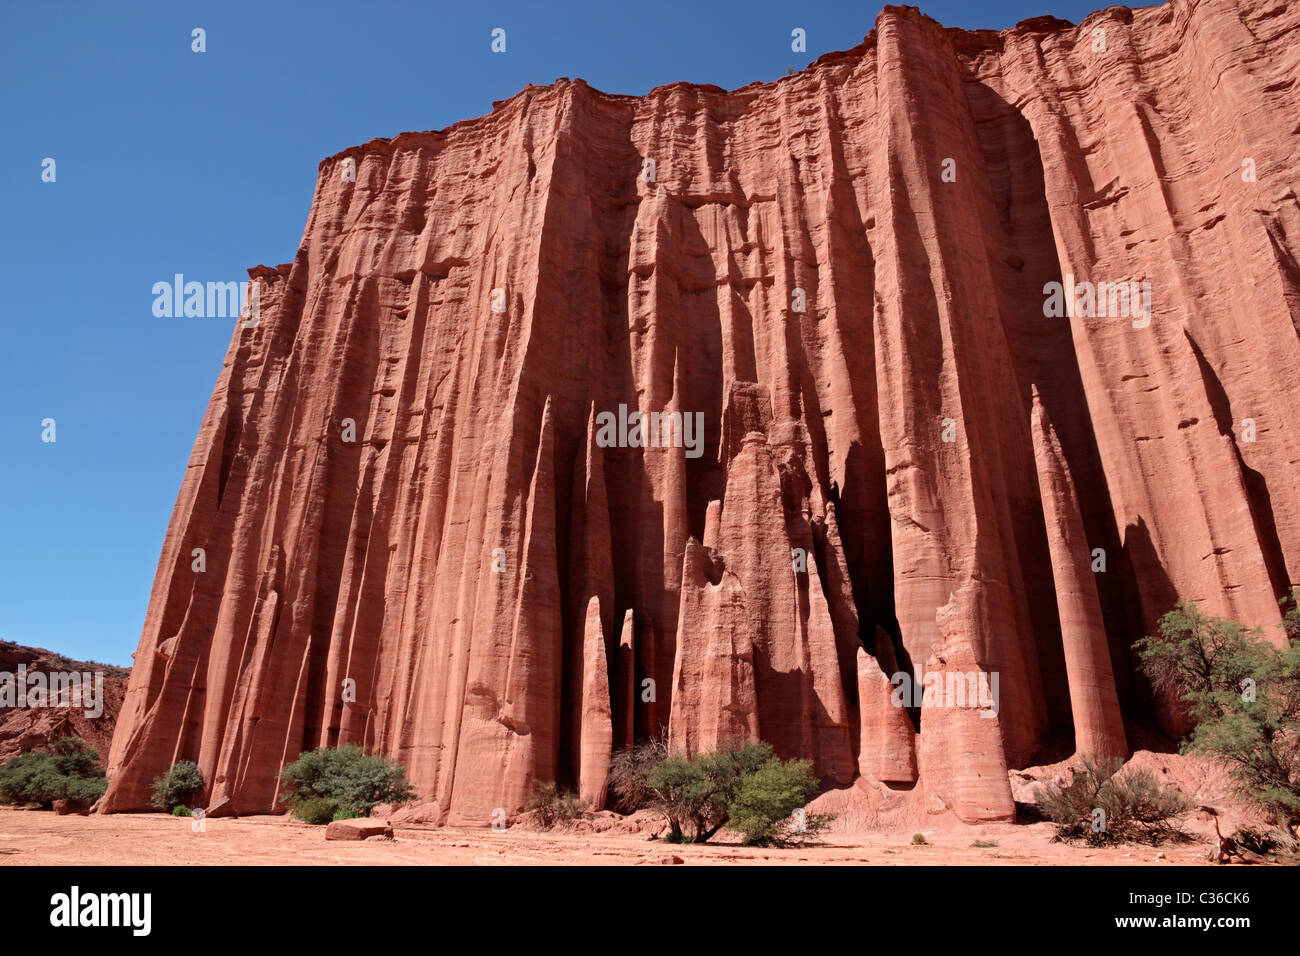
(63, 808)
(358, 830)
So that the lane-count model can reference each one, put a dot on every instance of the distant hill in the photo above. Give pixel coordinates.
(30, 728)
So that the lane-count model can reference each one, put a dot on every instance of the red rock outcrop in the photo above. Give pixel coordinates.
(34, 725)
(596, 722)
(991, 337)
(887, 748)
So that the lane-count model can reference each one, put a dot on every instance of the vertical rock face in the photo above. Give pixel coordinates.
(971, 353)
(714, 703)
(1098, 724)
(887, 748)
(596, 726)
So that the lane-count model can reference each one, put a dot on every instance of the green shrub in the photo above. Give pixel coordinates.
(767, 797)
(689, 794)
(75, 758)
(748, 789)
(179, 785)
(182, 811)
(552, 807)
(347, 777)
(68, 770)
(314, 810)
(1243, 695)
(85, 788)
(1102, 805)
(918, 839)
(32, 778)
(344, 813)
(696, 792)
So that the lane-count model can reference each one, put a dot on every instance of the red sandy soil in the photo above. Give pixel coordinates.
(32, 837)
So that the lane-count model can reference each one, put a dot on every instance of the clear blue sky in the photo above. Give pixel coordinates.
(173, 161)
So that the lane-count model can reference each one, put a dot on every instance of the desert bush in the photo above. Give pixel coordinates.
(800, 828)
(180, 810)
(68, 770)
(314, 810)
(552, 807)
(1103, 804)
(766, 800)
(345, 813)
(75, 758)
(695, 793)
(85, 788)
(32, 778)
(1243, 695)
(347, 777)
(918, 839)
(1266, 841)
(748, 789)
(678, 788)
(178, 786)
(629, 773)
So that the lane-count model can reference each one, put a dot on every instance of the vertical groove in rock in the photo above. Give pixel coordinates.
(1098, 724)
(589, 579)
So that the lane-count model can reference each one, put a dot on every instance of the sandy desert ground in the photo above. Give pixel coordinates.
(29, 837)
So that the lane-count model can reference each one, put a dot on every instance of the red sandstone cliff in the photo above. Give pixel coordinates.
(912, 472)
